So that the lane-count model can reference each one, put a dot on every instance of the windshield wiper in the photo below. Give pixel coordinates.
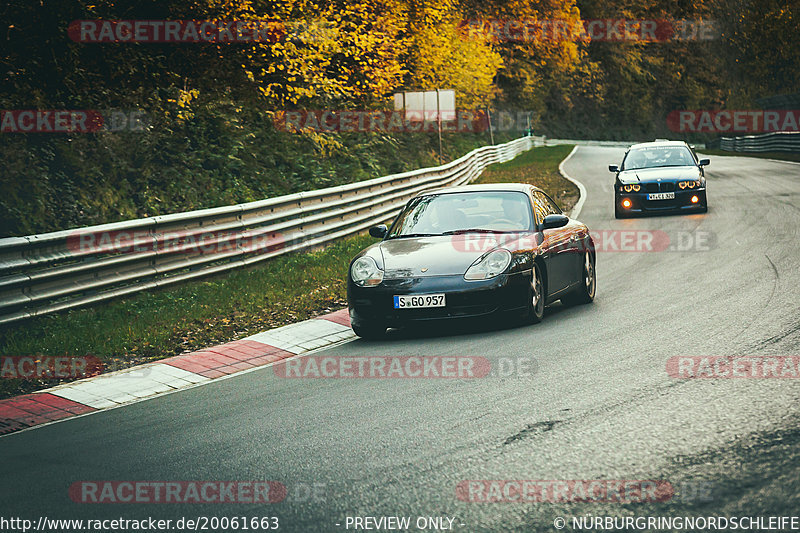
(659, 166)
(412, 235)
(479, 230)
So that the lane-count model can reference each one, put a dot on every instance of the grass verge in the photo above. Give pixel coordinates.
(538, 166)
(162, 323)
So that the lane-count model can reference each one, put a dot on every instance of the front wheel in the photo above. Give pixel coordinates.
(370, 331)
(585, 292)
(536, 297)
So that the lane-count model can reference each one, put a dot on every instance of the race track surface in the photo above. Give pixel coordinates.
(596, 403)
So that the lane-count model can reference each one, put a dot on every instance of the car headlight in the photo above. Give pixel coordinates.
(634, 187)
(365, 272)
(489, 266)
(689, 184)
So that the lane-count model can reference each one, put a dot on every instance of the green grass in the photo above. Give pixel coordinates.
(539, 167)
(162, 323)
(174, 320)
(785, 156)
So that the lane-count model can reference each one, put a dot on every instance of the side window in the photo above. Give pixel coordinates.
(554, 209)
(539, 208)
(548, 206)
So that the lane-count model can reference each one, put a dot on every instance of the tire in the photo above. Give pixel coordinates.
(370, 331)
(536, 297)
(585, 292)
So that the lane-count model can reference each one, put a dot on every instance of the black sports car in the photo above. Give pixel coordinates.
(470, 251)
(657, 177)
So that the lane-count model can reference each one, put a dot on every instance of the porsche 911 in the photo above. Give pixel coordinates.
(469, 252)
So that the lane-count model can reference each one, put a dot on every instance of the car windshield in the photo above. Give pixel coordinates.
(661, 156)
(450, 213)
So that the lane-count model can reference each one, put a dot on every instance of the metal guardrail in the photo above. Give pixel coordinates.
(608, 144)
(779, 141)
(583, 142)
(41, 274)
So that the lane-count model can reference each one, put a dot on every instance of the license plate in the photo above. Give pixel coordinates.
(661, 196)
(418, 302)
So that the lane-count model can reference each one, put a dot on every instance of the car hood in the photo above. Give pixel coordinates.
(442, 255)
(663, 173)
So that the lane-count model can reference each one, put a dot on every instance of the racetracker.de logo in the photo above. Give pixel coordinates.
(733, 367)
(384, 367)
(381, 121)
(177, 492)
(37, 367)
(72, 121)
(729, 120)
(176, 31)
(640, 241)
(408, 121)
(564, 491)
(610, 30)
(185, 241)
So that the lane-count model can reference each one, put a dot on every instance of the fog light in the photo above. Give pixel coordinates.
(627, 203)
(695, 199)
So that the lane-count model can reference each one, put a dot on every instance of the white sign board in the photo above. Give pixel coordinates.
(427, 105)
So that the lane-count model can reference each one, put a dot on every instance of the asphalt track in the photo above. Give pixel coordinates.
(599, 403)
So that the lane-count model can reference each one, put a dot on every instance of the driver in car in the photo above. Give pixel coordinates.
(514, 211)
(450, 217)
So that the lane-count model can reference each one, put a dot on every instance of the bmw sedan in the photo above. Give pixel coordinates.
(657, 177)
(470, 251)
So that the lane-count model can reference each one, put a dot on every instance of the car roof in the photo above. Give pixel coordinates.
(658, 143)
(485, 187)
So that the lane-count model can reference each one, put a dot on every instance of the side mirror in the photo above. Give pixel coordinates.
(554, 221)
(704, 162)
(613, 168)
(379, 231)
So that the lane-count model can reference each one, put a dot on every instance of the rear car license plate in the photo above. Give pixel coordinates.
(418, 301)
(661, 196)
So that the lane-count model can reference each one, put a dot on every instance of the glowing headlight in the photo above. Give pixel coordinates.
(489, 266)
(689, 184)
(365, 272)
(635, 187)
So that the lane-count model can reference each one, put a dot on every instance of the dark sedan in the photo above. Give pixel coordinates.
(657, 177)
(470, 251)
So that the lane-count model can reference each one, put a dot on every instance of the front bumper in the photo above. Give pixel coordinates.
(681, 202)
(463, 299)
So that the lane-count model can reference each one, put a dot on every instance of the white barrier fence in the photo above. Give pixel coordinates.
(41, 274)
